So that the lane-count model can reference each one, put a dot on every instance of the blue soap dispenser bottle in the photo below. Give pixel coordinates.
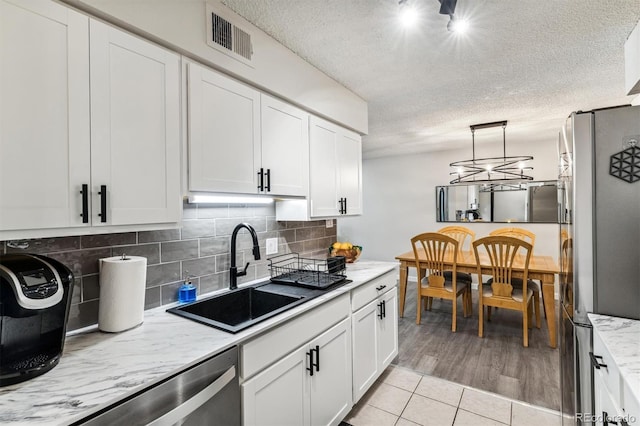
(187, 291)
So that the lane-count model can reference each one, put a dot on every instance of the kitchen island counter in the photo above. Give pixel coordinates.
(98, 369)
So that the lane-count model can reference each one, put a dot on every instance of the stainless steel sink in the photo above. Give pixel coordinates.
(238, 309)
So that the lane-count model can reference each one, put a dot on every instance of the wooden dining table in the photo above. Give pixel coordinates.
(542, 268)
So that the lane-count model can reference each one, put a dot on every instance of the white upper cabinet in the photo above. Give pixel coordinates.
(84, 107)
(224, 133)
(135, 129)
(349, 154)
(335, 170)
(44, 115)
(242, 141)
(632, 62)
(335, 175)
(285, 147)
(323, 185)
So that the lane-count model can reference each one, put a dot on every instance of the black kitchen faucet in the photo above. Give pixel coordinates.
(233, 272)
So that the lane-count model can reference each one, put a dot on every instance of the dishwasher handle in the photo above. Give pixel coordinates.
(196, 401)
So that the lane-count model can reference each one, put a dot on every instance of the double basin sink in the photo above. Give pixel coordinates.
(239, 309)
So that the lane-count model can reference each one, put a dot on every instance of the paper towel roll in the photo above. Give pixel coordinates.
(122, 284)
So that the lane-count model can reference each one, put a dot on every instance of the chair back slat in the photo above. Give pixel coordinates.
(503, 255)
(519, 233)
(460, 234)
(437, 249)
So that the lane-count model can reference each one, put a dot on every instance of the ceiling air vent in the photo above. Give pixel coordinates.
(228, 38)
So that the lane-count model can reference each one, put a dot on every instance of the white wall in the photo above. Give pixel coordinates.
(181, 26)
(400, 202)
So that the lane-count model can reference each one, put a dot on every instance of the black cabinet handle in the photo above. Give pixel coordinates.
(85, 203)
(380, 310)
(384, 309)
(103, 203)
(343, 205)
(261, 179)
(594, 361)
(381, 287)
(311, 365)
(340, 208)
(268, 186)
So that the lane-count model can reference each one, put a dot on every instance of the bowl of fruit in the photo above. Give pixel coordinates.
(350, 252)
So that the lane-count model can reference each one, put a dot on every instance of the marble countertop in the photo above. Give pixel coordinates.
(98, 369)
(622, 338)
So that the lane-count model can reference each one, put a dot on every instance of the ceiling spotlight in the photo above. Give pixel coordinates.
(408, 14)
(457, 25)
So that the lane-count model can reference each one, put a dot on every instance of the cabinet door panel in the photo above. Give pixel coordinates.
(349, 148)
(365, 349)
(44, 115)
(285, 146)
(605, 403)
(135, 128)
(278, 396)
(388, 330)
(330, 386)
(224, 133)
(323, 179)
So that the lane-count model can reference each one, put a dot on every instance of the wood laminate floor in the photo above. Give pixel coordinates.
(496, 363)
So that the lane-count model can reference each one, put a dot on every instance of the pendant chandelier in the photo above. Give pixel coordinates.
(491, 170)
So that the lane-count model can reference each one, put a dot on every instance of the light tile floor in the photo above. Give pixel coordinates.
(402, 397)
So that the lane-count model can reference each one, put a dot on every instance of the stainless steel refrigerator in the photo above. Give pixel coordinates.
(599, 180)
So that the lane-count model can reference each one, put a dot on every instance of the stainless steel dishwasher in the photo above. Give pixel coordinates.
(205, 394)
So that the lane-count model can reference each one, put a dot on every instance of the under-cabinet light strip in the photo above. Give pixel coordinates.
(227, 199)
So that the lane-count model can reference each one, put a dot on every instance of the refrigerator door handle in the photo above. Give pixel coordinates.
(594, 361)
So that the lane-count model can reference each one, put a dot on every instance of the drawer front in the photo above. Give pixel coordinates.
(367, 292)
(610, 374)
(266, 349)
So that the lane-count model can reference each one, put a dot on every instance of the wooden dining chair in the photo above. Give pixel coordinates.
(460, 234)
(439, 249)
(521, 233)
(505, 291)
(529, 237)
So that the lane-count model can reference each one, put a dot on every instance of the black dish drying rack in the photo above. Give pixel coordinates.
(292, 269)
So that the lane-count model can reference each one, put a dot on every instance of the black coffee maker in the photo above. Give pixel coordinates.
(35, 295)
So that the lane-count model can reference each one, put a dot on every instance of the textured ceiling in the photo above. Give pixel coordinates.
(531, 62)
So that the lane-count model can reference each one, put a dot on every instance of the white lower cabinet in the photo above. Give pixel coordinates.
(614, 401)
(310, 386)
(312, 369)
(375, 340)
(607, 409)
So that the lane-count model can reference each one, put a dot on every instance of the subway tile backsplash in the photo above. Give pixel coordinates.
(200, 248)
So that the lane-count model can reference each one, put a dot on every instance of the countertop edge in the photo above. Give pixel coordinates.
(67, 404)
